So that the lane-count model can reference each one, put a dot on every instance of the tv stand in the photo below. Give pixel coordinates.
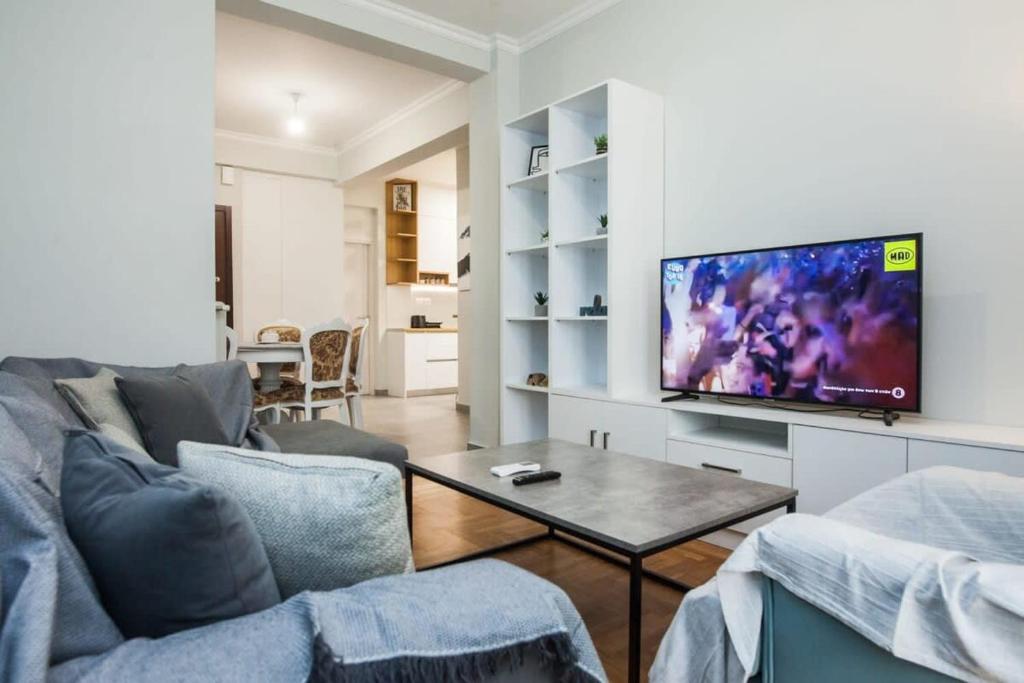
(684, 396)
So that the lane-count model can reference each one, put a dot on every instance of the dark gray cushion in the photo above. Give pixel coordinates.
(168, 410)
(167, 552)
(327, 437)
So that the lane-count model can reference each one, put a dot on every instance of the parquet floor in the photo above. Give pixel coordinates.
(448, 524)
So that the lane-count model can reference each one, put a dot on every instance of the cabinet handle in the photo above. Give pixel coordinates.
(606, 435)
(730, 470)
(593, 435)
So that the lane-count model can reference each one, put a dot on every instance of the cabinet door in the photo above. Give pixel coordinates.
(415, 362)
(442, 346)
(574, 419)
(831, 466)
(442, 374)
(636, 430)
(921, 454)
(753, 466)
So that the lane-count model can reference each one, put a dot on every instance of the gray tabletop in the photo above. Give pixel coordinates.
(631, 504)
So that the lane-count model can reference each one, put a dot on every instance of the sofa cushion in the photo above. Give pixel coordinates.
(49, 609)
(327, 437)
(97, 402)
(326, 522)
(167, 552)
(228, 384)
(168, 410)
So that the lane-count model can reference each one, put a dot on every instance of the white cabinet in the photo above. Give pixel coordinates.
(422, 362)
(831, 466)
(922, 454)
(620, 427)
(753, 466)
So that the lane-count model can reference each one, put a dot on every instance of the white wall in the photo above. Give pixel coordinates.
(106, 209)
(291, 237)
(795, 121)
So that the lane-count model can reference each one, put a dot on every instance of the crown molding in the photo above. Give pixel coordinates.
(563, 23)
(426, 22)
(405, 112)
(273, 142)
(498, 41)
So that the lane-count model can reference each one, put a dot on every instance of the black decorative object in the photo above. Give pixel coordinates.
(538, 160)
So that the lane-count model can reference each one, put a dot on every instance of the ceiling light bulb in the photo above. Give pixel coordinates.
(296, 125)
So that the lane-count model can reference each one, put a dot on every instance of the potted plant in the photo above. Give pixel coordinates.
(545, 235)
(601, 143)
(603, 228)
(541, 309)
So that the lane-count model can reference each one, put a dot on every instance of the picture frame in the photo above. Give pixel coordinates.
(402, 198)
(538, 160)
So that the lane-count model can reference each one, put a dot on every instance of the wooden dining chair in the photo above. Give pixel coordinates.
(326, 350)
(231, 343)
(354, 381)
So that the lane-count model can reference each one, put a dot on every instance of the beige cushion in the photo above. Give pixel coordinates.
(97, 402)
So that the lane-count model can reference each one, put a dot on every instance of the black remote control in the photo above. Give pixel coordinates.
(534, 477)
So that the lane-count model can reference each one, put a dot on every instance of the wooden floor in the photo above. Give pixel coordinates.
(448, 524)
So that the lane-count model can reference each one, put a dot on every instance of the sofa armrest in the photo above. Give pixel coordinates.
(327, 437)
(326, 522)
(483, 620)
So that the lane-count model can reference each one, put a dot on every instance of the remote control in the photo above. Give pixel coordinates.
(534, 477)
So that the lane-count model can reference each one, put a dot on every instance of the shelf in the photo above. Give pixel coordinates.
(404, 234)
(527, 318)
(526, 387)
(582, 391)
(402, 260)
(593, 242)
(534, 122)
(542, 247)
(581, 318)
(537, 182)
(749, 440)
(595, 167)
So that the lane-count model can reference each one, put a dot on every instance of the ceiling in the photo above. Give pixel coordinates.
(513, 18)
(437, 170)
(345, 91)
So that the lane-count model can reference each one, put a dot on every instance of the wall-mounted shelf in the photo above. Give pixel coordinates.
(538, 182)
(593, 242)
(540, 248)
(581, 318)
(527, 318)
(526, 387)
(593, 167)
(401, 231)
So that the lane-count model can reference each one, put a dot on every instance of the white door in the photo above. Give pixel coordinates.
(356, 272)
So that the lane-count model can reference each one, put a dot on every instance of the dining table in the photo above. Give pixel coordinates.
(270, 357)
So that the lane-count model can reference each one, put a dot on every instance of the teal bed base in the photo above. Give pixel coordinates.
(802, 644)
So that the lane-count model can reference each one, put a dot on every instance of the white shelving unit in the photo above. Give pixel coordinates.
(594, 356)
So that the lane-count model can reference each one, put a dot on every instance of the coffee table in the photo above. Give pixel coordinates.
(631, 507)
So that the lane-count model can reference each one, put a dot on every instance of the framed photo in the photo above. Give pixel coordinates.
(401, 199)
(538, 159)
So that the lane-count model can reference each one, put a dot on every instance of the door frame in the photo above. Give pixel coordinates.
(371, 304)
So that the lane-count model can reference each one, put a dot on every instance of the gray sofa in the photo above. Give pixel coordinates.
(482, 620)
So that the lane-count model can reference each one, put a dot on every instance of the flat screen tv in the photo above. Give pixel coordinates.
(835, 323)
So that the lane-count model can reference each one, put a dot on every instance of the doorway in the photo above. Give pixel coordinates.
(225, 288)
(356, 273)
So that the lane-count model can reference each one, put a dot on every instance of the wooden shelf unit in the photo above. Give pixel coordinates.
(401, 236)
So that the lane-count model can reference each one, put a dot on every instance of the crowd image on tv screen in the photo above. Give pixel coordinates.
(822, 323)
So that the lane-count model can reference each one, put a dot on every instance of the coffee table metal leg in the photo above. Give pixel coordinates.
(408, 503)
(636, 579)
(791, 507)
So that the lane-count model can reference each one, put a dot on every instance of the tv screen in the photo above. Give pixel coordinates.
(834, 323)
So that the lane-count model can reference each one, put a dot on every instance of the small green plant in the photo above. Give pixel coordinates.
(545, 235)
(601, 143)
(603, 220)
(541, 298)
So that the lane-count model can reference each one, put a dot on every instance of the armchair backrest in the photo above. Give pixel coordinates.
(356, 362)
(326, 348)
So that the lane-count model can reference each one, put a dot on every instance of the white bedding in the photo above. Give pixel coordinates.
(929, 566)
